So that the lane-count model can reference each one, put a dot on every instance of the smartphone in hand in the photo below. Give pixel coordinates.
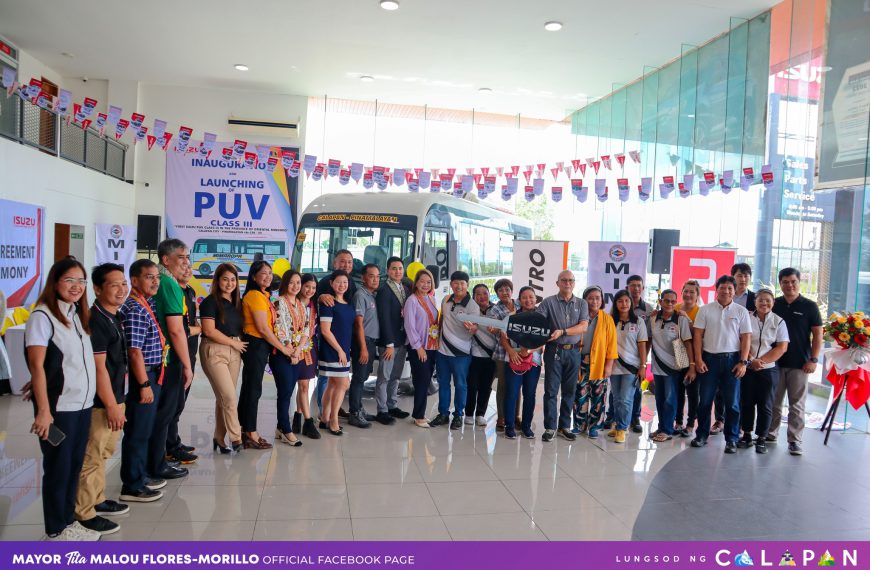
(55, 435)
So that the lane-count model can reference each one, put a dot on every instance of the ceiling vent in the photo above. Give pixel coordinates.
(279, 129)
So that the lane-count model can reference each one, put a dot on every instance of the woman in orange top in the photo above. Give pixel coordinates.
(258, 331)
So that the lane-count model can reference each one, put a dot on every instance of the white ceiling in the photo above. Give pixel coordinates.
(435, 52)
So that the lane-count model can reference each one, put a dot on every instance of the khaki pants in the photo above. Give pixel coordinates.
(221, 365)
(92, 481)
(792, 381)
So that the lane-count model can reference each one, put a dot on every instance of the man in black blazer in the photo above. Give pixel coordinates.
(392, 342)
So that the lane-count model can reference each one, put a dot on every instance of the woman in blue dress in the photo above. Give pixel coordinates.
(336, 329)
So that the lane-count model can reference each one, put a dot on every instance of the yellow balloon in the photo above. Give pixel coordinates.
(280, 267)
(20, 315)
(413, 268)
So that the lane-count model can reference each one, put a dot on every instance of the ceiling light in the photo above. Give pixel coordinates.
(553, 26)
(68, 54)
(484, 90)
(366, 78)
(390, 5)
(826, 68)
(241, 67)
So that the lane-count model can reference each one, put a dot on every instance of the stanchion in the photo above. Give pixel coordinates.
(832, 411)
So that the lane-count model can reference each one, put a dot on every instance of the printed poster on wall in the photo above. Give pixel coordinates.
(227, 212)
(704, 264)
(611, 263)
(116, 244)
(21, 250)
(537, 263)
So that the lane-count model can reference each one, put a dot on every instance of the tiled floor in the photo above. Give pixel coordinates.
(401, 482)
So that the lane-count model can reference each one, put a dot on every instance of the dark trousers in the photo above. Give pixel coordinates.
(720, 377)
(563, 372)
(756, 394)
(480, 376)
(421, 377)
(137, 432)
(173, 438)
(666, 400)
(687, 393)
(61, 467)
(635, 407)
(286, 374)
(171, 391)
(719, 407)
(528, 381)
(360, 372)
(254, 359)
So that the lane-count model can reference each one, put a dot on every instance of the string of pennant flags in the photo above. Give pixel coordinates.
(483, 180)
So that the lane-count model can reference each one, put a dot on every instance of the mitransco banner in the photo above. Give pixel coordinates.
(229, 210)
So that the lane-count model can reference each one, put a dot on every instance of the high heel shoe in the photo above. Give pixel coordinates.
(309, 429)
(288, 438)
(237, 446)
(338, 431)
(216, 446)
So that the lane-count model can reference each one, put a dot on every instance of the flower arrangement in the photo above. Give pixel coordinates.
(848, 330)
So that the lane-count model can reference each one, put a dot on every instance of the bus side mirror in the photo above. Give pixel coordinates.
(434, 270)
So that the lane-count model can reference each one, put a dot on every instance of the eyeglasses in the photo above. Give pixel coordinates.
(566, 280)
(73, 281)
(668, 301)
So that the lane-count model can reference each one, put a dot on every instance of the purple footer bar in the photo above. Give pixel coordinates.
(440, 555)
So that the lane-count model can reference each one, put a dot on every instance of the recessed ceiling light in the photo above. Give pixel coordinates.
(390, 5)
(68, 54)
(366, 78)
(553, 26)
(240, 67)
(484, 90)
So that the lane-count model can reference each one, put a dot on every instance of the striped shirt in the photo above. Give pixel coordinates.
(501, 312)
(141, 330)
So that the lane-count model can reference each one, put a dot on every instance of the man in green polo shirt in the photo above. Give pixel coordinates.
(171, 312)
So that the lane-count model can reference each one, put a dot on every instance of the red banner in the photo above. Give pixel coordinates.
(705, 265)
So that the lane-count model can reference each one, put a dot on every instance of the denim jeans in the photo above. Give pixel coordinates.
(455, 367)
(319, 389)
(589, 401)
(622, 386)
(719, 377)
(563, 372)
(137, 431)
(666, 400)
(286, 375)
(528, 381)
(421, 376)
(635, 407)
(687, 394)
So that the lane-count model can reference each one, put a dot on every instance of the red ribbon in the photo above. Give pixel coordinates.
(857, 389)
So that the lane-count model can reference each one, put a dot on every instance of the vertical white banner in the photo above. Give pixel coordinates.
(116, 244)
(537, 263)
(611, 263)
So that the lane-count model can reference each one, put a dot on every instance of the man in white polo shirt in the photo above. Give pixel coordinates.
(721, 339)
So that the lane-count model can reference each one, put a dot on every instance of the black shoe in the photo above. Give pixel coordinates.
(173, 463)
(182, 457)
(795, 448)
(359, 420)
(760, 445)
(187, 448)
(549, 434)
(143, 496)
(154, 484)
(636, 427)
(566, 433)
(439, 420)
(745, 442)
(342, 413)
(456, 423)
(297, 423)
(111, 508)
(730, 447)
(399, 414)
(101, 525)
(323, 425)
(385, 418)
(172, 473)
(699, 442)
(309, 429)
(510, 433)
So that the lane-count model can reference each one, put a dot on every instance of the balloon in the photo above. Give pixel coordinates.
(280, 267)
(413, 268)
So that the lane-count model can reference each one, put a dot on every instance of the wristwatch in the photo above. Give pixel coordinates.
(145, 384)
(814, 360)
(746, 362)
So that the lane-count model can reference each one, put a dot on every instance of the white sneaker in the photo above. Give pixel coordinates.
(481, 421)
(469, 421)
(66, 535)
(83, 534)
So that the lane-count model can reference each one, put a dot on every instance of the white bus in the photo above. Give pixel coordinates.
(442, 232)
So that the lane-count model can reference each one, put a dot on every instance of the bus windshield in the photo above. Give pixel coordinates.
(370, 238)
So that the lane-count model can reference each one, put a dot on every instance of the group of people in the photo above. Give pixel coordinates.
(126, 364)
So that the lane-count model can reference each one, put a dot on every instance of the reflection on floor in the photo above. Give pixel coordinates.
(401, 482)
